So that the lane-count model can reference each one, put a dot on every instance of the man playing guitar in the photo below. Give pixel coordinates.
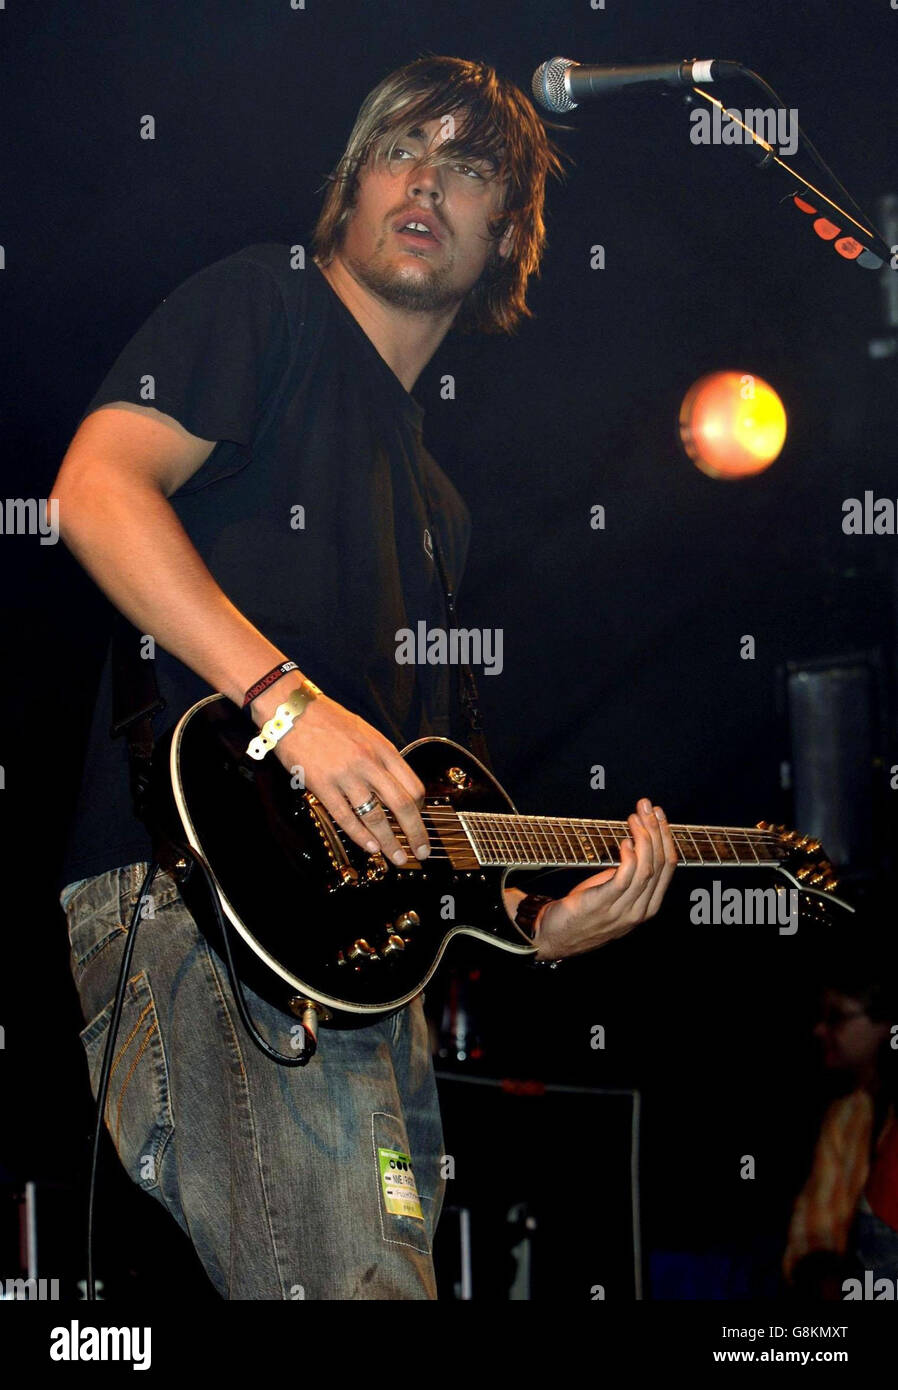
(181, 512)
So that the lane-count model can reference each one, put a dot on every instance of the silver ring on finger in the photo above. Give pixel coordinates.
(366, 806)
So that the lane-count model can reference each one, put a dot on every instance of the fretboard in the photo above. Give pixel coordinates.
(564, 842)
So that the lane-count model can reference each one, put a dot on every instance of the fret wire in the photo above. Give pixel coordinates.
(519, 834)
(738, 850)
(574, 853)
(535, 839)
(543, 844)
(688, 829)
(488, 831)
(618, 830)
(542, 829)
(496, 835)
(557, 826)
(562, 848)
(504, 840)
(520, 830)
(513, 849)
(467, 839)
(536, 856)
(557, 841)
(588, 831)
(494, 840)
(679, 843)
(707, 831)
(598, 831)
(585, 833)
(732, 849)
(482, 838)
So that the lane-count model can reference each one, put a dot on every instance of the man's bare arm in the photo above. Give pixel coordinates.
(114, 515)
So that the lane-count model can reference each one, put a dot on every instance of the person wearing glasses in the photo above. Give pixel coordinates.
(845, 1219)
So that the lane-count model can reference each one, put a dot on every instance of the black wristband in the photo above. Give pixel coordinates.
(273, 675)
(529, 909)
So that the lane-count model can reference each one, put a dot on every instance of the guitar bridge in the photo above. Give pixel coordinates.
(332, 842)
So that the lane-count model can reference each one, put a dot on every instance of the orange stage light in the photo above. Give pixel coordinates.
(732, 424)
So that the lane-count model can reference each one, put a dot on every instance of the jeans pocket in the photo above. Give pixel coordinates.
(401, 1216)
(138, 1103)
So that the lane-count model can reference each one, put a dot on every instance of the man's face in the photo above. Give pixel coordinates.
(431, 270)
(850, 1038)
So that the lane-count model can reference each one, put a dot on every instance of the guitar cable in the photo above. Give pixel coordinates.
(306, 1055)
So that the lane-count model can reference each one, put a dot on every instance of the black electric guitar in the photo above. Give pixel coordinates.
(351, 931)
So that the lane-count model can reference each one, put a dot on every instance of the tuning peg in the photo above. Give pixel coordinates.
(818, 877)
(813, 846)
(803, 872)
(763, 825)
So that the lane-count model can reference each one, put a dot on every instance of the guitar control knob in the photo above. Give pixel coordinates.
(406, 921)
(362, 951)
(394, 943)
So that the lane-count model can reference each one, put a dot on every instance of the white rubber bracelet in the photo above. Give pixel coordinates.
(282, 721)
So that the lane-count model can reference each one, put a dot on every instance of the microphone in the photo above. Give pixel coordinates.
(560, 84)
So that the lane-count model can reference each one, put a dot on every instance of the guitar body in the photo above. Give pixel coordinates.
(321, 918)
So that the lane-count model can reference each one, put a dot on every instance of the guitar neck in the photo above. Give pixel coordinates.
(560, 842)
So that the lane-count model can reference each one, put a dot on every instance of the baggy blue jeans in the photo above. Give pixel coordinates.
(273, 1172)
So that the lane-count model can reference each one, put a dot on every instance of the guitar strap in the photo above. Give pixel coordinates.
(469, 698)
(136, 696)
(135, 699)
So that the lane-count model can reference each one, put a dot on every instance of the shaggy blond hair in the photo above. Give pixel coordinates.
(502, 127)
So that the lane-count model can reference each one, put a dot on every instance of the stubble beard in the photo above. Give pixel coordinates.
(430, 293)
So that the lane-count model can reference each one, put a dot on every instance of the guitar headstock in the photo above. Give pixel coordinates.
(805, 863)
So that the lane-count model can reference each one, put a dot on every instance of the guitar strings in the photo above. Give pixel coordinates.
(445, 821)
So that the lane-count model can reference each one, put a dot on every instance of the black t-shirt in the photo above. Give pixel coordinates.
(314, 512)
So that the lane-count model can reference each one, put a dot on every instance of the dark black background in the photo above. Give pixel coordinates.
(621, 646)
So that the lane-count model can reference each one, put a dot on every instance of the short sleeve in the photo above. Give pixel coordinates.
(212, 350)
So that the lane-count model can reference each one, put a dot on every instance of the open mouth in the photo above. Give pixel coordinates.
(418, 233)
